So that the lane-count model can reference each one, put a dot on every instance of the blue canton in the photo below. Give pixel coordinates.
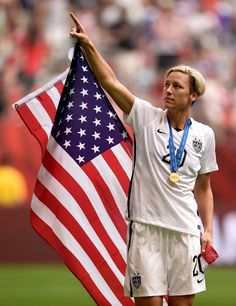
(86, 124)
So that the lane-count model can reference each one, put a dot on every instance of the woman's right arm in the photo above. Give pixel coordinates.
(102, 71)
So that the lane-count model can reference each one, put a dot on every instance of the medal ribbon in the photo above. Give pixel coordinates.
(175, 159)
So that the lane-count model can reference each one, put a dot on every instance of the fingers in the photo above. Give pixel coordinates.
(204, 243)
(78, 31)
(203, 246)
(73, 17)
(77, 28)
(206, 239)
(78, 25)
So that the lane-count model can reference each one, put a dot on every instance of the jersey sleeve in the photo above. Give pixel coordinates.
(142, 112)
(208, 161)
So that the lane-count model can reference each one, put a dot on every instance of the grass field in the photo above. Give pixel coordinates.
(54, 285)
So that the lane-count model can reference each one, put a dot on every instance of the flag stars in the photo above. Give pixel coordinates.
(97, 109)
(124, 134)
(110, 140)
(96, 135)
(98, 96)
(84, 79)
(70, 104)
(67, 144)
(69, 117)
(84, 68)
(80, 159)
(111, 115)
(72, 91)
(81, 146)
(84, 92)
(83, 105)
(67, 131)
(110, 126)
(97, 122)
(83, 119)
(95, 149)
(82, 132)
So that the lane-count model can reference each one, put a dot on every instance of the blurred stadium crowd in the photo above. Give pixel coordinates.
(140, 38)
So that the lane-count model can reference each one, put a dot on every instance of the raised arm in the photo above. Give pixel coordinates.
(204, 197)
(103, 72)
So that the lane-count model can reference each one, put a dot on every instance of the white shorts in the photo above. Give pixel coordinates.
(162, 262)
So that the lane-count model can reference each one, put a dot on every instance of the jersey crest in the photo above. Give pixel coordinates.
(197, 145)
(136, 280)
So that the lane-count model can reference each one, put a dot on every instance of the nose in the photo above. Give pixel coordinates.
(168, 89)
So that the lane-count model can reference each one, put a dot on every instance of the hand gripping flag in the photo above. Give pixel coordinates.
(80, 195)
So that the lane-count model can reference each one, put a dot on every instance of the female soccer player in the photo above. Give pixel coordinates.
(173, 155)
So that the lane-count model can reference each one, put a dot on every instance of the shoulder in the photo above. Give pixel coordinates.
(202, 129)
(203, 134)
(142, 114)
(145, 105)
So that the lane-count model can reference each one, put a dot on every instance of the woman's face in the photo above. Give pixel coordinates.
(176, 92)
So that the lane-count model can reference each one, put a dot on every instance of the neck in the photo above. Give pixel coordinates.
(178, 120)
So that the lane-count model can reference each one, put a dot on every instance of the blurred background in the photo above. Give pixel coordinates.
(140, 39)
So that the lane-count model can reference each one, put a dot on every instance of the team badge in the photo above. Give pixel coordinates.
(197, 145)
(136, 280)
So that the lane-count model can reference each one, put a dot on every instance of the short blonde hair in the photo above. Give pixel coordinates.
(197, 81)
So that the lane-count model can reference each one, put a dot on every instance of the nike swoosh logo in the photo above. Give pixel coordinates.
(160, 131)
(200, 280)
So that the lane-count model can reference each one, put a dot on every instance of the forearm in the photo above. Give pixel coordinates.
(103, 72)
(101, 69)
(205, 207)
(107, 78)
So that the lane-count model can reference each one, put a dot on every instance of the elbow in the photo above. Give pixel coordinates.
(109, 83)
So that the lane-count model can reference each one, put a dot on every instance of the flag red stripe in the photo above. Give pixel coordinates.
(47, 104)
(86, 206)
(59, 86)
(79, 234)
(117, 169)
(33, 125)
(70, 260)
(106, 197)
(127, 146)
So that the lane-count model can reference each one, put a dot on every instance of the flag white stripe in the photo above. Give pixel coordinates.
(45, 88)
(54, 94)
(111, 181)
(124, 159)
(41, 115)
(67, 200)
(86, 184)
(46, 215)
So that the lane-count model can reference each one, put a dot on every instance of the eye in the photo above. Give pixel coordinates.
(177, 86)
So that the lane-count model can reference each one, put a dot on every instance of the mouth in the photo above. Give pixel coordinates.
(168, 99)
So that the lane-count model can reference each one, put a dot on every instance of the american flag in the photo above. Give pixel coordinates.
(80, 195)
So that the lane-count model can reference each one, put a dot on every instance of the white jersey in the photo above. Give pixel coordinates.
(153, 198)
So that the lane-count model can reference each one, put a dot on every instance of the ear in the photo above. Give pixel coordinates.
(194, 96)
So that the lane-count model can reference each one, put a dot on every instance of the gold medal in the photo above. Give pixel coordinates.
(174, 177)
